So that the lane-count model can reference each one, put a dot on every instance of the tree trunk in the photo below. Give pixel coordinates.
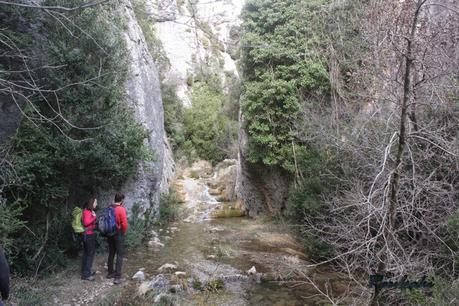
(395, 177)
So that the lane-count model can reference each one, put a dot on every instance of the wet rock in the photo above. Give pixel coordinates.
(167, 268)
(216, 230)
(252, 271)
(155, 244)
(139, 276)
(224, 181)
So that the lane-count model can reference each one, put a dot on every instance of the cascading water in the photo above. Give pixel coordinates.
(200, 203)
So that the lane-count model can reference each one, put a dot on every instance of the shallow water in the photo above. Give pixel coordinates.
(208, 249)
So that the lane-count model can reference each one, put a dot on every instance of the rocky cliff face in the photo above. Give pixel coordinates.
(203, 35)
(144, 96)
(196, 34)
(260, 189)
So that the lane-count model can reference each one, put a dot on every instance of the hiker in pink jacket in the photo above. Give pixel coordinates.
(89, 238)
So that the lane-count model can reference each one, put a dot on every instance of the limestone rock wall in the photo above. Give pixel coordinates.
(260, 189)
(144, 96)
(196, 34)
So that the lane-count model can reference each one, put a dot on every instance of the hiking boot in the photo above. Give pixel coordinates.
(89, 278)
(111, 275)
(117, 281)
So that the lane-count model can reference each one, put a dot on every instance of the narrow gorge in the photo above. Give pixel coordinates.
(271, 152)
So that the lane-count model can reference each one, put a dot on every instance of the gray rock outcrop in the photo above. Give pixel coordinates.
(195, 34)
(260, 189)
(144, 96)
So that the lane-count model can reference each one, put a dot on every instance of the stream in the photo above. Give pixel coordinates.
(216, 255)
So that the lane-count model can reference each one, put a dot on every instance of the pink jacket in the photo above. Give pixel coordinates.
(89, 221)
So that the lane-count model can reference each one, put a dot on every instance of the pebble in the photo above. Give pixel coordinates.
(139, 276)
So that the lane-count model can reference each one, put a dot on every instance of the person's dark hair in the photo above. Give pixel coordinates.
(90, 203)
(119, 197)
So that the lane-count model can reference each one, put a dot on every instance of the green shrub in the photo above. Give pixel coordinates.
(209, 131)
(72, 141)
(279, 78)
(10, 223)
(305, 197)
(139, 226)
(173, 116)
(169, 209)
(315, 247)
(214, 285)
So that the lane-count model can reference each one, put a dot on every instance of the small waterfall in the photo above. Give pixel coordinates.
(200, 203)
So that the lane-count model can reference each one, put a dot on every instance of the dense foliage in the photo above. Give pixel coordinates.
(282, 65)
(208, 131)
(370, 143)
(77, 135)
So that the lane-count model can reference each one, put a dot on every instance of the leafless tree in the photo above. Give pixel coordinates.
(399, 155)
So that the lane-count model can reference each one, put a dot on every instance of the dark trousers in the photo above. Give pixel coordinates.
(115, 246)
(89, 243)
